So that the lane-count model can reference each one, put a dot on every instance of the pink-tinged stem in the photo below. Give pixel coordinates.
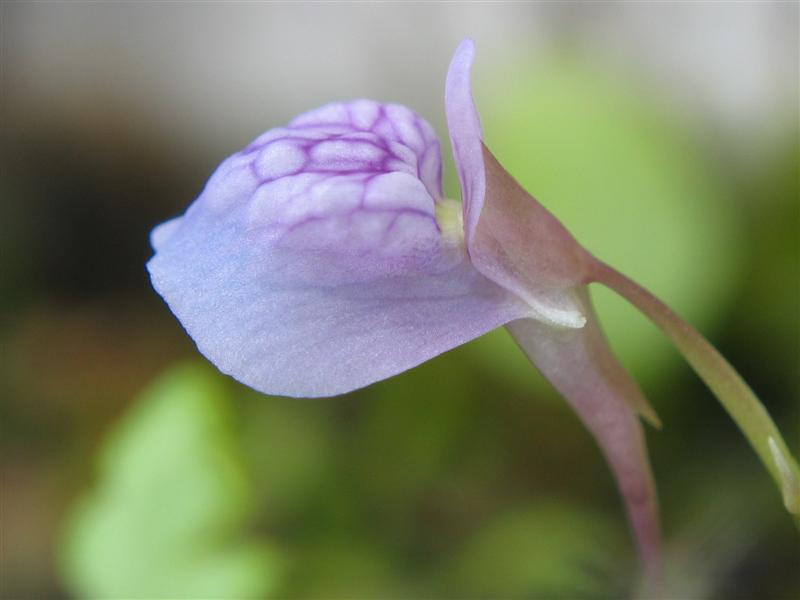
(726, 384)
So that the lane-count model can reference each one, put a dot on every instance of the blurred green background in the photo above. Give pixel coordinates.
(664, 135)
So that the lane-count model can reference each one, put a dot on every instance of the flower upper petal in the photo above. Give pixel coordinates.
(465, 135)
(512, 239)
(312, 263)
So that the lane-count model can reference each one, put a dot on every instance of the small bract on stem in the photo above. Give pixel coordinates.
(323, 257)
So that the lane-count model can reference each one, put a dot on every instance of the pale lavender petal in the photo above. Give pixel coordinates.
(466, 135)
(161, 233)
(260, 320)
(581, 367)
(312, 263)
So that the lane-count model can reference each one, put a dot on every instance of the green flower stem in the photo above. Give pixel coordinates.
(735, 395)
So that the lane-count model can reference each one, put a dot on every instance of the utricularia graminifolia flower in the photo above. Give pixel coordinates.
(323, 257)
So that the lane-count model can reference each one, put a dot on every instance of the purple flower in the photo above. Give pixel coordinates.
(323, 257)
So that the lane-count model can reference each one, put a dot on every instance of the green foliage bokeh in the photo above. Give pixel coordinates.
(167, 514)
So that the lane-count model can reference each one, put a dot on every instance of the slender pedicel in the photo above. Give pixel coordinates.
(730, 389)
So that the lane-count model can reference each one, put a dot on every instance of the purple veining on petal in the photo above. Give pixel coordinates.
(390, 123)
(376, 223)
(358, 181)
(311, 179)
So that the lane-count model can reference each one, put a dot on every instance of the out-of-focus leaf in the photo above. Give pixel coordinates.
(547, 550)
(290, 448)
(419, 434)
(167, 515)
(345, 569)
(766, 314)
(628, 181)
(727, 532)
